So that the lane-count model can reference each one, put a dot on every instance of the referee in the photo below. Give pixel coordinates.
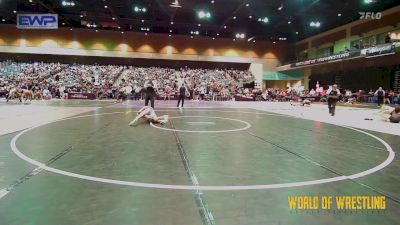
(182, 95)
(333, 96)
(150, 93)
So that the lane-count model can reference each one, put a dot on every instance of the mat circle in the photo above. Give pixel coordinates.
(43, 166)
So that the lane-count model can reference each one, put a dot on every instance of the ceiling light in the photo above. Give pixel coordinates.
(339, 14)
(274, 42)
(264, 20)
(97, 30)
(106, 6)
(70, 29)
(144, 10)
(240, 35)
(113, 18)
(169, 35)
(212, 2)
(280, 7)
(315, 24)
(30, 1)
(4, 20)
(297, 32)
(254, 41)
(175, 4)
(250, 17)
(191, 36)
(142, 21)
(225, 27)
(289, 22)
(14, 11)
(199, 25)
(202, 14)
(145, 34)
(170, 31)
(247, 5)
(81, 16)
(234, 17)
(213, 38)
(122, 32)
(172, 23)
(217, 34)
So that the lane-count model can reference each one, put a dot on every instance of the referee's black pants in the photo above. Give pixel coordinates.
(181, 98)
(149, 97)
(332, 105)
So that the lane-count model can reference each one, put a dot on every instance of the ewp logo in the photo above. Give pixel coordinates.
(37, 21)
(370, 15)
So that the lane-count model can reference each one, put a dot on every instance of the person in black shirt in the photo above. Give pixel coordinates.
(150, 93)
(182, 93)
(333, 95)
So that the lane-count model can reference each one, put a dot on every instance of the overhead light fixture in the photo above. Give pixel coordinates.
(263, 20)
(250, 17)
(217, 34)
(14, 11)
(315, 24)
(234, 17)
(212, 1)
(175, 4)
(339, 14)
(240, 35)
(67, 3)
(225, 27)
(172, 23)
(280, 7)
(297, 32)
(137, 9)
(105, 6)
(204, 15)
(4, 20)
(247, 5)
(289, 22)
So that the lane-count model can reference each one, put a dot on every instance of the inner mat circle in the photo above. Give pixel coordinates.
(205, 120)
(176, 184)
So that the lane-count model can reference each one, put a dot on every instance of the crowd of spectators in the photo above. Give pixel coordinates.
(110, 81)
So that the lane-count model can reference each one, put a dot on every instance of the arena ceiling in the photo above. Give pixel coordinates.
(287, 20)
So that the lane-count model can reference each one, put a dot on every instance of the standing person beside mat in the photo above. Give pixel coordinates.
(333, 96)
(380, 94)
(150, 92)
(182, 94)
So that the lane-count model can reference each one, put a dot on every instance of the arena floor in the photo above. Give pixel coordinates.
(211, 164)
